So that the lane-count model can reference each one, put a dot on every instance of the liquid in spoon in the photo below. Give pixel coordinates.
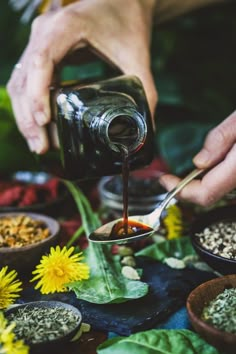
(133, 228)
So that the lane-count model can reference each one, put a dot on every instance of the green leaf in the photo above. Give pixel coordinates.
(5, 102)
(89, 219)
(106, 283)
(158, 342)
(178, 248)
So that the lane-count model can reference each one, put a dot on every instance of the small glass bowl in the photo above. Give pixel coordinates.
(144, 193)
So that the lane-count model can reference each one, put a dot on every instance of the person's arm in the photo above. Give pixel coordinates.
(218, 154)
(119, 30)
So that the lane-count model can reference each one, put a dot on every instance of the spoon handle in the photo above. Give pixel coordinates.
(174, 191)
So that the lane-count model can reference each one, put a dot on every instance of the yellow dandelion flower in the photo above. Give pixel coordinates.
(17, 347)
(9, 287)
(59, 268)
(8, 343)
(173, 222)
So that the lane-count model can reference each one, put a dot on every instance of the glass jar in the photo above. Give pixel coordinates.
(92, 122)
(144, 193)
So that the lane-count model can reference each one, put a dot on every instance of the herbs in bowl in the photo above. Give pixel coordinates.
(44, 324)
(221, 311)
(211, 308)
(24, 238)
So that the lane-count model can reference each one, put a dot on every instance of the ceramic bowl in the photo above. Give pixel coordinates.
(23, 259)
(221, 264)
(54, 345)
(198, 299)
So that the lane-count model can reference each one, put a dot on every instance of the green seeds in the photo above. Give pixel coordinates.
(221, 312)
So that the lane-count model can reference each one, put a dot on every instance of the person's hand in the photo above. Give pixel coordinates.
(119, 30)
(219, 156)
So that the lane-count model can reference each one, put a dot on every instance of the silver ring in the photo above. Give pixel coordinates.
(18, 66)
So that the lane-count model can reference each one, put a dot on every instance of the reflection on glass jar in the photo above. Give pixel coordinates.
(144, 193)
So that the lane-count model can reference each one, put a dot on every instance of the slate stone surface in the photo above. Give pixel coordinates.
(168, 292)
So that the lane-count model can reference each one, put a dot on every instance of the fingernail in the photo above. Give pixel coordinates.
(38, 145)
(40, 118)
(31, 145)
(202, 157)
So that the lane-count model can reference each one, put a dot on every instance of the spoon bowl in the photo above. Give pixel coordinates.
(139, 226)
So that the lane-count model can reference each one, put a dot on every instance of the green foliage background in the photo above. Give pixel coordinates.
(193, 60)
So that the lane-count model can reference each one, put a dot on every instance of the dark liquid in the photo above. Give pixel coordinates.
(125, 175)
(127, 228)
(133, 228)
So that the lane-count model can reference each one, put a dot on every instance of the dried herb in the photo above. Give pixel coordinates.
(41, 324)
(221, 312)
(220, 239)
(21, 230)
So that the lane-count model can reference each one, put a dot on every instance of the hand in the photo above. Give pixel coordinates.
(219, 156)
(119, 30)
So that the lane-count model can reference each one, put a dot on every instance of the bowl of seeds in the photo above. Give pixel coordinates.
(24, 238)
(213, 236)
(45, 325)
(212, 311)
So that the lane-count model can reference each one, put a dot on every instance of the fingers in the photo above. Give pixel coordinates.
(219, 150)
(36, 136)
(31, 111)
(125, 41)
(218, 142)
(216, 183)
(121, 38)
(29, 86)
(30, 102)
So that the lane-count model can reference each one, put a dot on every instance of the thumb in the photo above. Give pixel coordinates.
(146, 77)
(150, 90)
(217, 143)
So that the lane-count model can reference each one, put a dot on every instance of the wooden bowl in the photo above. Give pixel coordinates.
(198, 299)
(223, 265)
(24, 259)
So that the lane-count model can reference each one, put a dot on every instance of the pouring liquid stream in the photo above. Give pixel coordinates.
(127, 228)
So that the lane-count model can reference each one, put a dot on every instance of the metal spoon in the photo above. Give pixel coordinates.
(150, 222)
